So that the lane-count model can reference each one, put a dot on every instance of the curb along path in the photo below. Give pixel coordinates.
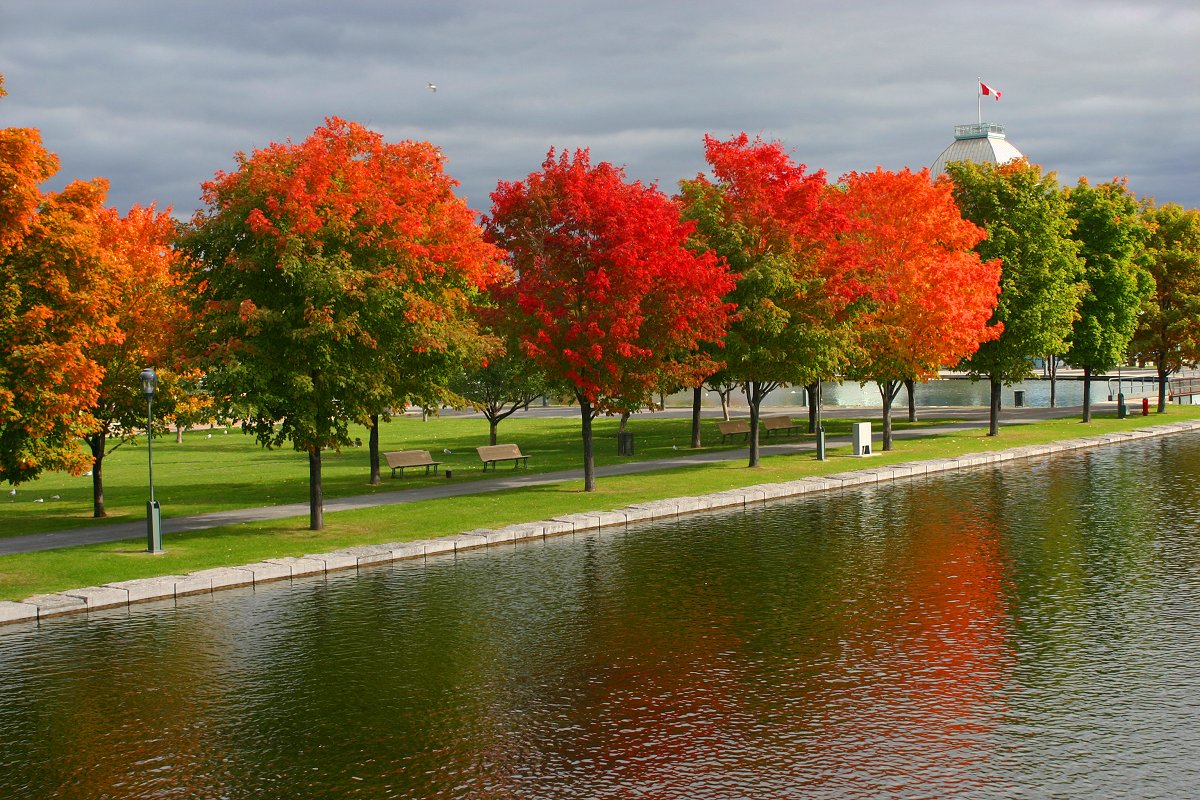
(125, 593)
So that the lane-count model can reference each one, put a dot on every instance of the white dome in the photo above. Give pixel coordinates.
(983, 143)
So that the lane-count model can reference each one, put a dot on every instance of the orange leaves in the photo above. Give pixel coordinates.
(906, 243)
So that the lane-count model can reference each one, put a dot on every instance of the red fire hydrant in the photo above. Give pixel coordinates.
(1145, 406)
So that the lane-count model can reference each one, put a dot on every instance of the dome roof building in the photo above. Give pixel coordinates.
(981, 143)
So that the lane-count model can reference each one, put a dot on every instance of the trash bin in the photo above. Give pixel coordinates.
(625, 443)
(1018, 398)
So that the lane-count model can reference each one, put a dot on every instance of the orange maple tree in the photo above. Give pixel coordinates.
(334, 278)
(53, 269)
(930, 295)
(144, 296)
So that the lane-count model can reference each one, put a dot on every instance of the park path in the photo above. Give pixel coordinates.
(966, 418)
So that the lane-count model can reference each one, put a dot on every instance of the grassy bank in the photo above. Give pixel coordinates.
(26, 574)
(219, 470)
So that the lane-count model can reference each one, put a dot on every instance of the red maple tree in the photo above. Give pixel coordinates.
(930, 296)
(610, 299)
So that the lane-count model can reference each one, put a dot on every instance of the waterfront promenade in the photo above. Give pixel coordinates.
(964, 418)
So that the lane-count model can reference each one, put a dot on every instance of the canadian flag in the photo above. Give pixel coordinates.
(985, 89)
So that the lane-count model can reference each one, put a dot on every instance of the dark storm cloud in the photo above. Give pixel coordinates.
(158, 96)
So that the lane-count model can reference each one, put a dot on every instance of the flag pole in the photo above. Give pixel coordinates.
(979, 100)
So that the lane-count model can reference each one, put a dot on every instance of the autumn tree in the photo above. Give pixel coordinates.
(1112, 237)
(610, 299)
(53, 276)
(1168, 331)
(765, 216)
(1029, 232)
(144, 297)
(324, 271)
(929, 295)
(500, 387)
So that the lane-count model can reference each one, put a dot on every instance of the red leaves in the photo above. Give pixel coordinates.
(608, 296)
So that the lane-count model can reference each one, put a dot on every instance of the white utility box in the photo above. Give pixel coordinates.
(860, 442)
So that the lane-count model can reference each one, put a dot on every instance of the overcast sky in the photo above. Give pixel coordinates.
(157, 95)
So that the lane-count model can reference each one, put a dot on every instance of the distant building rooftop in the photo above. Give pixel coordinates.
(979, 143)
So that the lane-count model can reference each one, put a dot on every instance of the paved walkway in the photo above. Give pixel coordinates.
(967, 418)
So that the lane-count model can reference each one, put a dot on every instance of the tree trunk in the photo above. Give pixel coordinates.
(316, 503)
(818, 398)
(624, 422)
(1087, 394)
(589, 464)
(178, 434)
(1163, 373)
(910, 386)
(493, 424)
(724, 395)
(96, 443)
(754, 396)
(373, 446)
(1052, 363)
(888, 390)
(697, 396)
(994, 406)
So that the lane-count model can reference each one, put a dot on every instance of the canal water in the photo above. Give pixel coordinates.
(1027, 631)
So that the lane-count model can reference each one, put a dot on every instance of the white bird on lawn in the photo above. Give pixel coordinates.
(446, 450)
(209, 436)
(39, 500)
(55, 497)
(87, 474)
(13, 493)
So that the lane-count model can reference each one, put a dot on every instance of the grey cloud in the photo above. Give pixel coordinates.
(158, 96)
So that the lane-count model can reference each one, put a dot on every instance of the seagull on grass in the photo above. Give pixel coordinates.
(446, 450)
(13, 493)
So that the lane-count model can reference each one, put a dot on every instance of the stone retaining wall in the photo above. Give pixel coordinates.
(168, 587)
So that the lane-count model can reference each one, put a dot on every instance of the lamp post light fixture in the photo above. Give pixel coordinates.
(153, 513)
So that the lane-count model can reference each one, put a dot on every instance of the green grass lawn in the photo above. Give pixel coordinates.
(202, 467)
(218, 470)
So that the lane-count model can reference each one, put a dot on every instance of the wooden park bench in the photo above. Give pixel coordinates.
(781, 425)
(399, 459)
(490, 454)
(733, 427)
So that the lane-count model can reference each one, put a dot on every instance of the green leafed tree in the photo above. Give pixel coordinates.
(1029, 231)
(1112, 238)
(333, 278)
(766, 217)
(1168, 332)
(501, 386)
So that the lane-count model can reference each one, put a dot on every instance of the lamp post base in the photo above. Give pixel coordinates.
(153, 528)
